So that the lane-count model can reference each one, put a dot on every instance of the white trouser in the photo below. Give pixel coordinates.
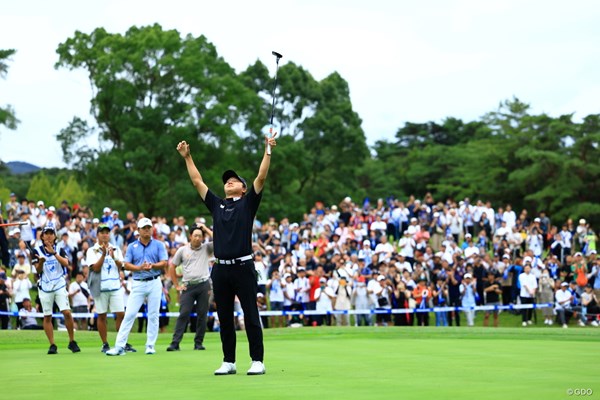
(139, 291)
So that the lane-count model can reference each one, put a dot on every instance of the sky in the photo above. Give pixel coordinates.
(404, 61)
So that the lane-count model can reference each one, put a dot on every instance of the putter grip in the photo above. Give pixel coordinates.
(268, 145)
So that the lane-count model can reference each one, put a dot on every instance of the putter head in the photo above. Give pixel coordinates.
(276, 54)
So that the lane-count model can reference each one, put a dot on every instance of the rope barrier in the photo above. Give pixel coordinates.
(314, 312)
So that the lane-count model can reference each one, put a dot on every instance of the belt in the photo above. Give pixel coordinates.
(147, 279)
(196, 282)
(235, 260)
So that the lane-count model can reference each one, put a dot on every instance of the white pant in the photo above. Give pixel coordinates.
(139, 291)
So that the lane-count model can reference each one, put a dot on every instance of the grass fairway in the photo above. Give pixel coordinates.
(321, 363)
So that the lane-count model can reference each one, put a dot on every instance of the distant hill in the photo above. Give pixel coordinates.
(20, 167)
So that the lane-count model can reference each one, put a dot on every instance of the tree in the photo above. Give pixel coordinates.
(153, 88)
(7, 115)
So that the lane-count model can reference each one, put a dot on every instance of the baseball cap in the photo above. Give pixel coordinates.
(323, 280)
(40, 203)
(468, 235)
(287, 275)
(578, 254)
(232, 174)
(527, 260)
(106, 210)
(537, 220)
(144, 222)
(102, 227)
(48, 228)
(301, 269)
(380, 278)
(582, 221)
(506, 256)
(95, 221)
(467, 276)
(564, 284)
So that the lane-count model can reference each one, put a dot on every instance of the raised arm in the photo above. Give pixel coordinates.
(259, 182)
(184, 150)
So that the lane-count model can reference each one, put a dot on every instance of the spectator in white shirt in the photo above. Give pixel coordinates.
(529, 285)
(563, 303)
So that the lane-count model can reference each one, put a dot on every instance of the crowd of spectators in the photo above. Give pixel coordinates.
(392, 254)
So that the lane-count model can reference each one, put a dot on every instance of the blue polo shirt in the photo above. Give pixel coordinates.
(153, 252)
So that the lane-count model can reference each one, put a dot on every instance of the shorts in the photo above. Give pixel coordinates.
(113, 300)
(276, 305)
(492, 303)
(60, 297)
(80, 310)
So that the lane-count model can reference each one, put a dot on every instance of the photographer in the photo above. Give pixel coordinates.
(384, 300)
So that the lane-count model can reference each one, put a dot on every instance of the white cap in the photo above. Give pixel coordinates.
(380, 278)
(537, 220)
(334, 207)
(347, 199)
(286, 275)
(506, 256)
(40, 203)
(582, 221)
(51, 208)
(527, 260)
(468, 235)
(106, 210)
(467, 275)
(436, 214)
(95, 221)
(144, 222)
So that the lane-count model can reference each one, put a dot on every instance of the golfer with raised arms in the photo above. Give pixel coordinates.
(233, 273)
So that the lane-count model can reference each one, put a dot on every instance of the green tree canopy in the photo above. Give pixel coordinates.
(7, 114)
(153, 88)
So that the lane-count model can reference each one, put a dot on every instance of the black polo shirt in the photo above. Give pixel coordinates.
(232, 223)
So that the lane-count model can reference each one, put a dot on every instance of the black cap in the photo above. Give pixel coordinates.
(232, 174)
(103, 227)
